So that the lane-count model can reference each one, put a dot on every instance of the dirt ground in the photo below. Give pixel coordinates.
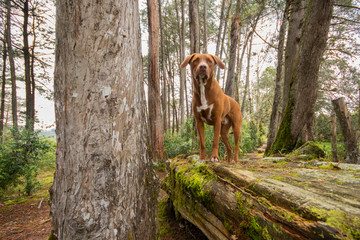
(25, 221)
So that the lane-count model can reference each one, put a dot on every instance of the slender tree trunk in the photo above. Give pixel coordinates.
(104, 184)
(182, 54)
(275, 113)
(194, 26)
(240, 62)
(347, 130)
(181, 30)
(32, 72)
(333, 137)
(234, 39)
(296, 18)
(303, 93)
(155, 120)
(247, 83)
(12, 64)
(205, 39)
(3, 85)
(28, 90)
(223, 38)
(218, 41)
(163, 70)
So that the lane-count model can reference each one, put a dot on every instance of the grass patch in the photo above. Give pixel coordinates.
(15, 195)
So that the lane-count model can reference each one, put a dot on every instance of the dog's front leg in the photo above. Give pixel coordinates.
(201, 131)
(215, 149)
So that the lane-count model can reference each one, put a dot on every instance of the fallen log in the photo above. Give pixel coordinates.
(271, 198)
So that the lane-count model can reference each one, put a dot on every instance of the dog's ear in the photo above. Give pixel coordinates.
(218, 61)
(187, 60)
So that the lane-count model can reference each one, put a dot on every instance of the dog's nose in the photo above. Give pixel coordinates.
(202, 67)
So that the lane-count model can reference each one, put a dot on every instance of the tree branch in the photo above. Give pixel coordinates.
(271, 45)
(347, 6)
(345, 19)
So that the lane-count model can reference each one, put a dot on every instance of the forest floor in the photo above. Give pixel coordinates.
(28, 217)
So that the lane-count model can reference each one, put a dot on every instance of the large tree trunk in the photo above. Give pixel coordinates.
(155, 120)
(296, 17)
(347, 130)
(104, 186)
(275, 113)
(234, 39)
(3, 85)
(12, 64)
(304, 86)
(194, 26)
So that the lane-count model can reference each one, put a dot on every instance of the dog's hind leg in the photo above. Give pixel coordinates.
(225, 137)
(237, 132)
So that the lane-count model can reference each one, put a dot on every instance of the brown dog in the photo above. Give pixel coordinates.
(210, 105)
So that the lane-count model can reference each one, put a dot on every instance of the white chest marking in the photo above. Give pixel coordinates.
(204, 105)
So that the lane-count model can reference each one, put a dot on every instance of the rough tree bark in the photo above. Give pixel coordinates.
(12, 63)
(194, 26)
(296, 17)
(275, 112)
(347, 130)
(104, 186)
(155, 120)
(304, 85)
(234, 39)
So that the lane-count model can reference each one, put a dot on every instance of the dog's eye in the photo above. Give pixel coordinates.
(196, 60)
(209, 61)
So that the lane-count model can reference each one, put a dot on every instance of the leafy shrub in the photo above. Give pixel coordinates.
(20, 158)
(252, 136)
(184, 141)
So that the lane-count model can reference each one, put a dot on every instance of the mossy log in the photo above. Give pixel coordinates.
(273, 198)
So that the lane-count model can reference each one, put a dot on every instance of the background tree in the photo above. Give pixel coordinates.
(104, 184)
(275, 113)
(155, 120)
(234, 39)
(194, 26)
(303, 93)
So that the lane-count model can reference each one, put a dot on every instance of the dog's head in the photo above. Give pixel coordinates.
(202, 65)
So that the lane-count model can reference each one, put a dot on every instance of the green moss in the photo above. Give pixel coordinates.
(52, 237)
(250, 226)
(164, 227)
(338, 219)
(190, 181)
(330, 166)
(279, 178)
(284, 141)
(308, 151)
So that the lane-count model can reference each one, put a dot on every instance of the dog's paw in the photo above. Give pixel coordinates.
(214, 159)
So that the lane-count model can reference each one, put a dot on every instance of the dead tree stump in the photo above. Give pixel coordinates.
(347, 130)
